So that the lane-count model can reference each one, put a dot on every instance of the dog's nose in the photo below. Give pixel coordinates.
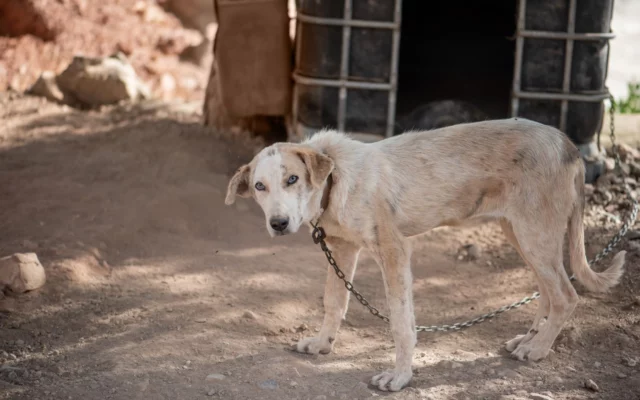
(279, 223)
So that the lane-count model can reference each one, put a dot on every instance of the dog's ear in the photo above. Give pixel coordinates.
(238, 185)
(318, 165)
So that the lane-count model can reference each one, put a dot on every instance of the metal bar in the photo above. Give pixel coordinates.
(595, 97)
(568, 60)
(295, 106)
(344, 66)
(395, 59)
(340, 83)
(354, 23)
(517, 69)
(565, 36)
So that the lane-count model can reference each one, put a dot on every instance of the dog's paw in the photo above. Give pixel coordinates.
(513, 343)
(530, 351)
(314, 345)
(391, 381)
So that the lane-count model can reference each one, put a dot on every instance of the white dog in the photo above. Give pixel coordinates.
(527, 175)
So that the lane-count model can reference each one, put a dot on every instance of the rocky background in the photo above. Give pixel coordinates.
(164, 41)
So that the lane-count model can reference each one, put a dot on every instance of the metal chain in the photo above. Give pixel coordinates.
(319, 237)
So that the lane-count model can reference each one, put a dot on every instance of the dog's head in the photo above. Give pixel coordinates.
(287, 181)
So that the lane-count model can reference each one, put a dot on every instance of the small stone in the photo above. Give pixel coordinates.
(268, 384)
(556, 379)
(621, 375)
(591, 385)
(631, 361)
(588, 189)
(633, 235)
(508, 373)
(627, 152)
(321, 397)
(302, 328)
(13, 376)
(211, 392)
(214, 377)
(597, 364)
(293, 384)
(456, 365)
(22, 272)
(539, 396)
(610, 164)
(249, 315)
(473, 251)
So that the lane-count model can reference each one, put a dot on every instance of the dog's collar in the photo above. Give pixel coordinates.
(324, 201)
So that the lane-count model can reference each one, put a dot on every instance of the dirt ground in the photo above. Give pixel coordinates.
(157, 290)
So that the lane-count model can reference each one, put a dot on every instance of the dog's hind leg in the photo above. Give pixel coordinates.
(543, 300)
(541, 245)
(336, 298)
(393, 254)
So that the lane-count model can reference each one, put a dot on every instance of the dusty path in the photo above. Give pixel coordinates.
(158, 291)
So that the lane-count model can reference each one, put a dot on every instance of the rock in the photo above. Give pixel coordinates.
(508, 373)
(302, 328)
(19, 342)
(630, 361)
(556, 379)
(214, 377)
(634, 168)
(622, 375)
(47, 87)
(96, 81)
(456, 365)
(610, 164)
(473, 251)
(293, 384)
(628, 153)
(249, 315)
(268, 384)
(539, 396)
(211, 392)
(13, 376)
(22, 272)
(597, 364)
(591, 385)
(634, 246)
(588, 189)
(633, 235)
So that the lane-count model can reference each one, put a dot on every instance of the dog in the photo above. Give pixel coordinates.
(526, 175)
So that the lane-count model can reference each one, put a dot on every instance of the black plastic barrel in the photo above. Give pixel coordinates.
(543, 64)
(320, 56)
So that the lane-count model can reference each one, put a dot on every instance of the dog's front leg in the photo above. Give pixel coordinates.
(336, 298)
(394, 257)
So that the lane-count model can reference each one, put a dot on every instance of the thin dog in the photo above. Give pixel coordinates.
(528, 176)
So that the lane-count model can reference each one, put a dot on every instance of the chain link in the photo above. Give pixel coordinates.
(319, 237)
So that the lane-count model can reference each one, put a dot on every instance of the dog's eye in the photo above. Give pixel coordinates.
(260, 186)
(292, 179)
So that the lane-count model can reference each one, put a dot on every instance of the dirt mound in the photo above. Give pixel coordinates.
(45, 35)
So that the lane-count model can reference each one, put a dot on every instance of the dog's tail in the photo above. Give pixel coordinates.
(594, 281)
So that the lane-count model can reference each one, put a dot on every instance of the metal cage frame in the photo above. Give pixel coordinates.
(521, 33)
(343, 83)
(570, 37)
